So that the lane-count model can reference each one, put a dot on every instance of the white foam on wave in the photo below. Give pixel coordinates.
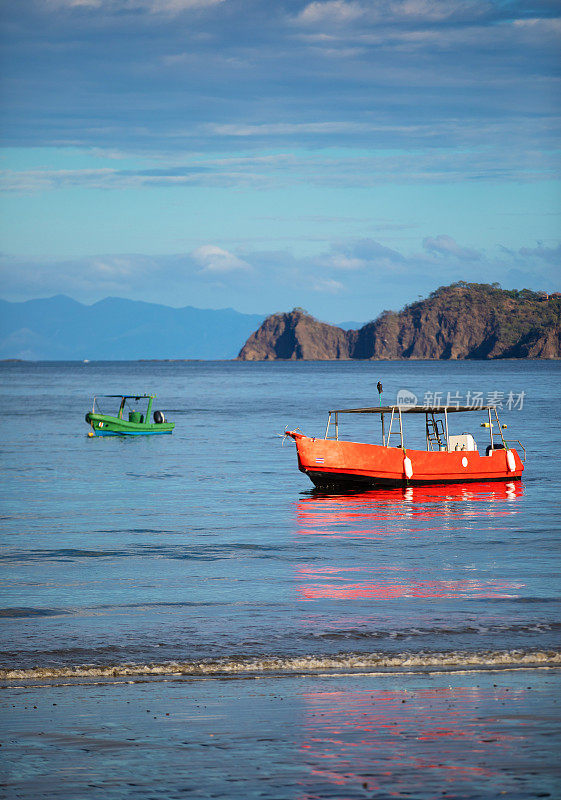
(309, 664)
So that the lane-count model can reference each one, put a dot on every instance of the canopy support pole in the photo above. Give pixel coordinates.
(500, 429)
(390, 429)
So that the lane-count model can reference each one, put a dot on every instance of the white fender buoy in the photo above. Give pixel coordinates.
(464, 462)
(407, 467)
(510, 461)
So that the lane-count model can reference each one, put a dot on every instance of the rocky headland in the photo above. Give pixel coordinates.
(460, 321)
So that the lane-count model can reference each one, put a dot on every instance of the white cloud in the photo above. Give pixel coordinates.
(213, 259)
(327, 285)
(541, 26)
(211, 276)
(320, 167)
(331, 12)
(436, 10)
(35, 180)
(114, 267)
(80, 3)
(288, 128)
(337, 13)
(343, 261)
(177, 6)
(170, 7)
(363, 254)
(550, 254)
(447, 246)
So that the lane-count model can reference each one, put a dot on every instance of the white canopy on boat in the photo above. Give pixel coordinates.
(410, 409)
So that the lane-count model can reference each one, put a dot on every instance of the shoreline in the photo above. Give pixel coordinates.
(378, 663)
(469, 735)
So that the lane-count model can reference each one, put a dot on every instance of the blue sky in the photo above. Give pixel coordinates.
(342, 155)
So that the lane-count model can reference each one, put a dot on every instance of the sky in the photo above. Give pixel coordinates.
(345, 156)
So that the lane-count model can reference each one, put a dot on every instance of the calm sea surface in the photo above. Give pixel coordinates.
(209, 546)
(207, 553)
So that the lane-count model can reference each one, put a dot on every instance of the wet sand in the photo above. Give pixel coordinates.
(456, 735)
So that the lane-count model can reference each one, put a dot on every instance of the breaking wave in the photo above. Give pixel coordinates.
(307, 665)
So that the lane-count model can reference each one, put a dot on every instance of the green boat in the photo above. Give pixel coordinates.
(137, 424)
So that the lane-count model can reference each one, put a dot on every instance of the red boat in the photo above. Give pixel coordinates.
(447, 458)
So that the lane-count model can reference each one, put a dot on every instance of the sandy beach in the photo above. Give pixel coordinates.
(461, 735)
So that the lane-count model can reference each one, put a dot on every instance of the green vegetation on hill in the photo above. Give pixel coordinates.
(463, 320)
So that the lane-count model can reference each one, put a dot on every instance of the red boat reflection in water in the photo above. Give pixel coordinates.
(406, 742)
(424, 511)
(334, 583)
(398, 509)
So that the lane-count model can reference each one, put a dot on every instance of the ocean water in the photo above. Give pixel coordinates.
(207, 556)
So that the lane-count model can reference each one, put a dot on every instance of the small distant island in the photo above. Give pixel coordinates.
(460, 321)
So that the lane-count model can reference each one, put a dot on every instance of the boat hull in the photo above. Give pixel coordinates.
(104, 425)
(352, 464)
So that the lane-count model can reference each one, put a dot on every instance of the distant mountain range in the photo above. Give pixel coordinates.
(464, 320)
(114, 329)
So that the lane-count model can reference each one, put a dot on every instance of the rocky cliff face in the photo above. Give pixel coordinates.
(296, 335)
(455, 322)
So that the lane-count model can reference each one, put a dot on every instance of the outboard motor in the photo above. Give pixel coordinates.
(159, 417)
